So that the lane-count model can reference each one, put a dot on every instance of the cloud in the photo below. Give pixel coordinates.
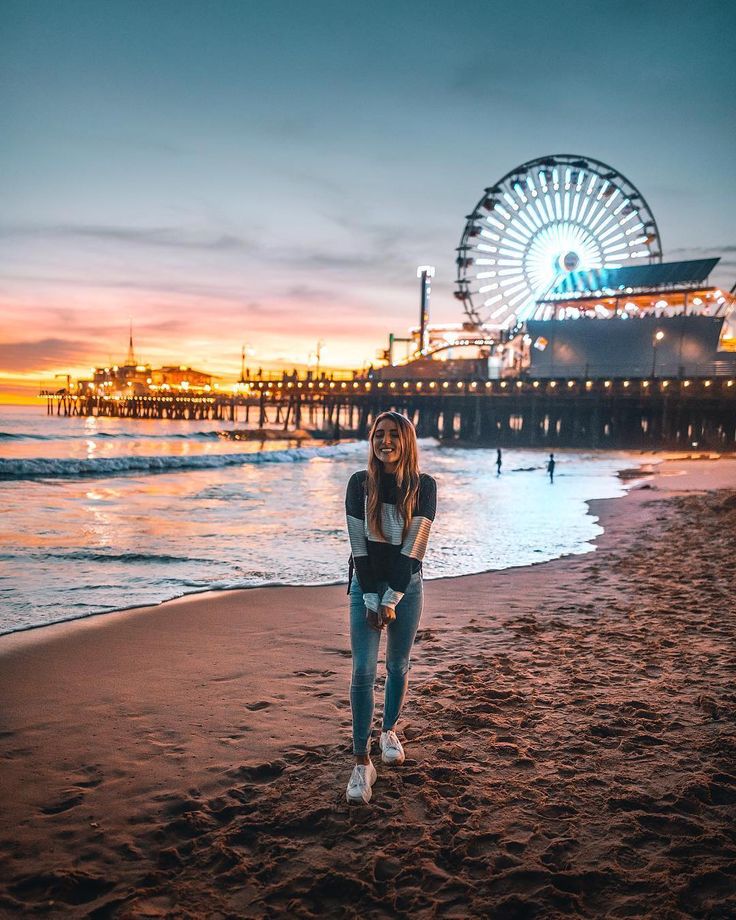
(166, 237)
(304, 292)
(704, 249)
(371, 246)
(148, 330)
(324, 185)
(350, 260)
(228, 293)
(43, 354)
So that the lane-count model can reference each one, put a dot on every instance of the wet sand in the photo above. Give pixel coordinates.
(570, 736)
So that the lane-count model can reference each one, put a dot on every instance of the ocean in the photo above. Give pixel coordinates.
(100, 514)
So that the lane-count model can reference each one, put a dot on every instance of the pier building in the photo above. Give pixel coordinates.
(133, 379)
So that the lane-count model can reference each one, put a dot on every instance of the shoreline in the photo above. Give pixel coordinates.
(626, 475)
(204, 593)
(567, 747)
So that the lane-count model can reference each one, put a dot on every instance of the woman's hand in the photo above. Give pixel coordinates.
(377, 619)
(374, 619)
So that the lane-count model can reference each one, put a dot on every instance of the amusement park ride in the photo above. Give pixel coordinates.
(560, 239)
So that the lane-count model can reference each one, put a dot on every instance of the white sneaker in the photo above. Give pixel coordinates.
(361, 782)
(391, 750)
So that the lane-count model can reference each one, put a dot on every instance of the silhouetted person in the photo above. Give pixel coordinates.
(498, 462)
(551, 467)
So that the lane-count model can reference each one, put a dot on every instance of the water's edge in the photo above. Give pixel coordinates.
(630, 477)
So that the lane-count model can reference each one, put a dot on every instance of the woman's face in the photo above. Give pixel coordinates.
(386, 443)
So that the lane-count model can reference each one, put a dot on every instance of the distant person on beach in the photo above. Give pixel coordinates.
(498, 462)
(551, 467)
(390, 508)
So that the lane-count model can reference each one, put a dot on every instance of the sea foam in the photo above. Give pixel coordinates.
(68, 468)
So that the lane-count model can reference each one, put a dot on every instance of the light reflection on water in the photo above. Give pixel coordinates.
(70, 547)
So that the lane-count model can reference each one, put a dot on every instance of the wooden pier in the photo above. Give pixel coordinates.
(613, 413)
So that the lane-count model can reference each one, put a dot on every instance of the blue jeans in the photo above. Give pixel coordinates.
(364, 643)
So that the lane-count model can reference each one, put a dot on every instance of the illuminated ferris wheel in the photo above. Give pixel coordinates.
(541, 221)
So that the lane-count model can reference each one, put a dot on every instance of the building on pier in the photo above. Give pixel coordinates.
(659, 320)
(120, 381)
(182, 378)
(131, 378)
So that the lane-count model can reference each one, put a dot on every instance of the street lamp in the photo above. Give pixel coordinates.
(658, 336)
(318, 353)
(426, 273)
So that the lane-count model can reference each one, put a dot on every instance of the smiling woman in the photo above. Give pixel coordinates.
(390, 508)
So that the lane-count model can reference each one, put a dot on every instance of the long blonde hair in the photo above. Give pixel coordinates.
(407, 473)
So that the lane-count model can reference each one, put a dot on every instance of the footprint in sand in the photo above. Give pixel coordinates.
(70, 799)
(68, 887)
(314, 672)
(231, 739)
(228, 677)
(260, 772)
(425, 635)
(174, 805)
(89, 783)
(168, 747)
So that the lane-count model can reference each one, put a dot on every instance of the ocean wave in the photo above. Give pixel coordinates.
(117, 436)
(89, 555)
(156, 558)
(104, 467)
(229, 493)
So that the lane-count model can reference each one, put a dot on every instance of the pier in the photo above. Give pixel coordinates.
(512, 412)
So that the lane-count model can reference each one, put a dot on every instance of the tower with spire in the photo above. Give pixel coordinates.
(130, 359)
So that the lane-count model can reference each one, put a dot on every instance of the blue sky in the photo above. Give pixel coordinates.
(272, 173)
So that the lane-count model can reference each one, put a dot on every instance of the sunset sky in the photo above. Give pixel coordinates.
(272, 173)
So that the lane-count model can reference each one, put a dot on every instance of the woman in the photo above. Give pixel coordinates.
(390, 508)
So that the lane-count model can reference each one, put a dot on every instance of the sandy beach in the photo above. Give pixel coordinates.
(570, 736)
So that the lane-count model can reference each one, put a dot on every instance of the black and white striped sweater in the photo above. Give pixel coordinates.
(392, 560)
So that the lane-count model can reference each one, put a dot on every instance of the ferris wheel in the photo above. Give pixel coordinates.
(546, 218)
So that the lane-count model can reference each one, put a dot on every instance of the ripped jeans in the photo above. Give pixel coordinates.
(364, 643)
